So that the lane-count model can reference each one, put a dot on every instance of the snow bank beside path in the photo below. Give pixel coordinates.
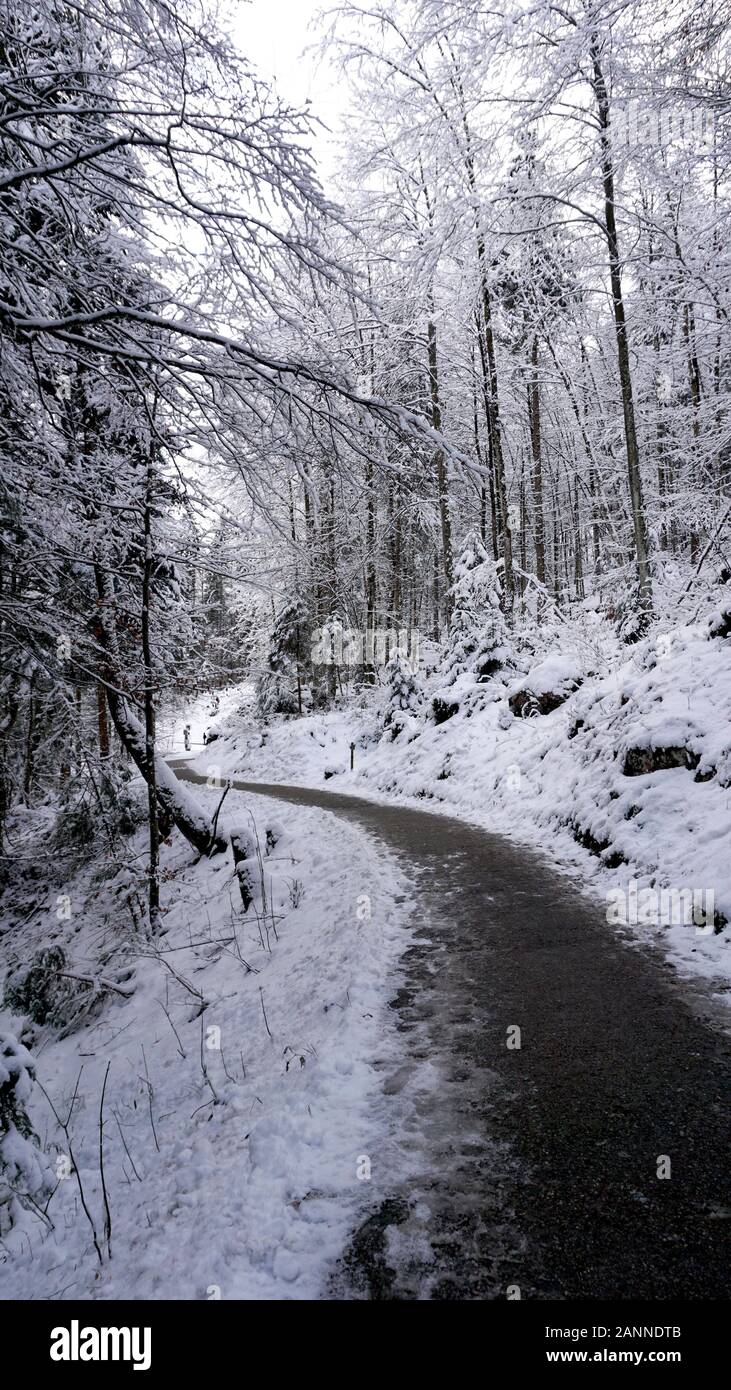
(233, 1133)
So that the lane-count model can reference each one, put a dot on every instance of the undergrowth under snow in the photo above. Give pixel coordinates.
(241, 1090)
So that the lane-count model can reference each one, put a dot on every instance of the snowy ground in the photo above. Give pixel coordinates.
(235, 1133)
(560, 780)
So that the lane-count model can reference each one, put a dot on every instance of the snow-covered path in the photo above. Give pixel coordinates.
(591, 1160)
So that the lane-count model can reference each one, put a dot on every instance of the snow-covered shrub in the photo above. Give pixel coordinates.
(719, 623)
(444, 709)
(274, 695)
(478, 638)
(405, 697)
(127, 800)
(24, 1176)
(630, 616)
(92, 809)
(40, 989)
(274, 833)
(333, 770)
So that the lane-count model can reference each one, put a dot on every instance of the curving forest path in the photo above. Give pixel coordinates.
(537, 1166)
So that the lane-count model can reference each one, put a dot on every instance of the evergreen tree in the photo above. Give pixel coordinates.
(280, 685)
(478, 638)
(405, 697)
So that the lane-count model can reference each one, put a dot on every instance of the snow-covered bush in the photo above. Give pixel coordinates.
(274, 695)
(91, 809)
(719, 623)
(40, 989)
(24, 1177)
(36, 987)
(629, 614)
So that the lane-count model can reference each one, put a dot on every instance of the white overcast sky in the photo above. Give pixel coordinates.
(274, 34)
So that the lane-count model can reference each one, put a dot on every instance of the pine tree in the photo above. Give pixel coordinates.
(478, 638)
(405, 698)
(280, 685)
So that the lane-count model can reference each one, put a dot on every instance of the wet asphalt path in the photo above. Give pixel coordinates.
(543, 1170)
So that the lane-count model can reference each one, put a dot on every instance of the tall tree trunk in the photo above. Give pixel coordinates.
(480, 459)
(7, 720)
(298, 635)
(556, 544)
(534, 414)
(523, 512)
(578, 553)
(370, 573)
(368, 363)
(154, 829)
(396, 544)
(694, 382)
(331, 561)
(487, 353)
(436, 588)
(642, 559)
(595, 543)
(494, 521)
(441, 468)
(102, 721)
(30, 741)
(494, 428)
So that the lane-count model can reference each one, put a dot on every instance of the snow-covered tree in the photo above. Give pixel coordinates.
(405, 695)
(478, 639)
(280, 684)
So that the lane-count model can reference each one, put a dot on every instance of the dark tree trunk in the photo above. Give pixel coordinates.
(488, 359)
(30, 741)
(642, 558)
(578, 553)
(154, 829)
(534, 413)
(441, 468)
(102, 721)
